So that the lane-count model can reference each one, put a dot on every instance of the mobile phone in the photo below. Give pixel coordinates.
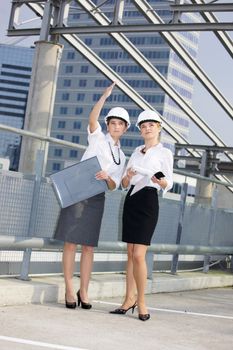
(159, 175)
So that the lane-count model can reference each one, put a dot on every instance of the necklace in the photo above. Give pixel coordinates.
(143, 150)
(113, 157)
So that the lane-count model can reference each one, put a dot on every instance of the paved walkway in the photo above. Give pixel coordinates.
(192, 320)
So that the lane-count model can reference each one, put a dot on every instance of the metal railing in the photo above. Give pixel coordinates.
(30, 242)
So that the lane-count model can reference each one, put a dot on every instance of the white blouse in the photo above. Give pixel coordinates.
(156, 158)
(101, 145)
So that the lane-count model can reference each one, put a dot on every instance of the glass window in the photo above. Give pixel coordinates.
(96, 97)
(65, 96)
(77, 125)
(58, 152)
(78, 110)
(63, 110)
(67, 82)
(61, 124)
(80, 97)
(75, 139)
(154, 98)
(82, 82)
(88, 41)
(131, 143)
(102, 83)
(73, 153)
(60, 137)
(69, 69)
(84, 69)
(56, 166)
(70, 55)
(75, 15)
(107, 41)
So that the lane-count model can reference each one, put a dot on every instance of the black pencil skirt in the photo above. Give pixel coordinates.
(140, 216)
(80, 223)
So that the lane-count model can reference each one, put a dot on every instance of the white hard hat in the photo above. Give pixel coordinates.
(148, 115)
(118, 112)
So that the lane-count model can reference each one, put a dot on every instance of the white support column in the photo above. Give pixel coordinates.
(40, 102)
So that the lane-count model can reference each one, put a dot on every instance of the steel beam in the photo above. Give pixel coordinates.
(118, 11)
(147, 10)
(223, 37)
(39, 9)
(206, 147)
(174, 43)
(153, 73)
(94, 59)
(130, 28)
(176, 46)
(112, 75)
(27, 1)
(120, 83)
(223, 7)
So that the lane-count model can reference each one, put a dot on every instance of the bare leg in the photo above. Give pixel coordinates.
(68, 261)
(140, 275)
(130, 282)
(86, 263)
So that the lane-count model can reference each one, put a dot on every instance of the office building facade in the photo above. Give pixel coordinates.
(80, 83)
(15, 74)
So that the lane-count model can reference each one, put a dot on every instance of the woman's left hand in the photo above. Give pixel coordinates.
(161, 182)
(102, 175)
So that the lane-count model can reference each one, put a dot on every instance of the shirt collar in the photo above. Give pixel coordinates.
(158, 146)
(112, 142)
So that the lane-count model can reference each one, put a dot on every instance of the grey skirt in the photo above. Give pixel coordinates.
(80, 223)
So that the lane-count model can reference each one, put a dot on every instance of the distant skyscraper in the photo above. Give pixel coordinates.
(80, 84)
(15, 74)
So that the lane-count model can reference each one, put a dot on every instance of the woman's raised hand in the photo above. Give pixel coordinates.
(108, 91)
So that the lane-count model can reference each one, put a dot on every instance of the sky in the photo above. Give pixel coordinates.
(213, 59)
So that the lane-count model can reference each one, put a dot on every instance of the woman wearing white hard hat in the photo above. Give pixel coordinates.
(80, 223)
(141, 207)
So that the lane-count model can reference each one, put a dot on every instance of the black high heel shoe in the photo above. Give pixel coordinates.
(143, 317)
(121, 311)
(84, 305)
(70, 304)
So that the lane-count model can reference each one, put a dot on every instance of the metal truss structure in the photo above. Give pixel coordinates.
(54, 12)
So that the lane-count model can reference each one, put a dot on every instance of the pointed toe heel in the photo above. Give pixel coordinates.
(144, 317)
(84, 305)
(121, 311)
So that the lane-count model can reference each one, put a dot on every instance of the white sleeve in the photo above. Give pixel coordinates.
(129, 165)
(117, 175)
(167, 169)
(92, 137)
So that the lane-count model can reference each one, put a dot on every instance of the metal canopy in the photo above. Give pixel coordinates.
(223, 37)
(115, 30)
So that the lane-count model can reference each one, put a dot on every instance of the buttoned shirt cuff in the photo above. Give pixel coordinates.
(167, 188)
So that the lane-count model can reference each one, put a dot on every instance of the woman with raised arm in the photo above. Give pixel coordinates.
(149, 169)
(80, 223)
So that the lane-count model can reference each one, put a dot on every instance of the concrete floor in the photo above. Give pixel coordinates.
(192, 320)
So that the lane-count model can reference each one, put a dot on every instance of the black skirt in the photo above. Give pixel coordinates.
(80, 223)
(140, 215)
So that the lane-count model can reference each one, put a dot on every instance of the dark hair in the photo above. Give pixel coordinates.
(112, 117)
